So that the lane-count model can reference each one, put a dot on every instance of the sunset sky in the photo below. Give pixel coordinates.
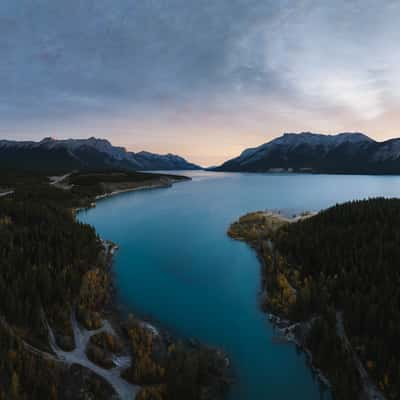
(203, 79)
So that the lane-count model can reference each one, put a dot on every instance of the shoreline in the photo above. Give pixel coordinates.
(286, 327)
(287, 330)
(112, 312)
(162, 183)
(290, 331)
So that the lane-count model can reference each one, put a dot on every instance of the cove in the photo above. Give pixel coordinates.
(177, 265)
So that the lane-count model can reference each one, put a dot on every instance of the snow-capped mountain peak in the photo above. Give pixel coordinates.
(307, 151)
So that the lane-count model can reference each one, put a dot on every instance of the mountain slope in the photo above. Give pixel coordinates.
(92, 153)
(310, 152)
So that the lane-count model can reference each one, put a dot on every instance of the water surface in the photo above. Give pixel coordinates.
(177, 265)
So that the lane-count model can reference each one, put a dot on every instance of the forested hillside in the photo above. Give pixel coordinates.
(53, 268)
(339, 271)
(45, 256)
(347, 259)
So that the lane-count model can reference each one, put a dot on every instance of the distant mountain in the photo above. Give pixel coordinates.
(92, 153)
(351, 153)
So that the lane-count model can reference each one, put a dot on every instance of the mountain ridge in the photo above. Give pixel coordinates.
(67, 154)
(347, 152)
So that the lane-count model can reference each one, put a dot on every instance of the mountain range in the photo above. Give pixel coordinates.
(92, 153)
(348, 153)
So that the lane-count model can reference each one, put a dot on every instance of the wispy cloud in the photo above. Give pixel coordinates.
(239, 70)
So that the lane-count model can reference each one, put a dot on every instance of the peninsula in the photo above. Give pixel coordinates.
(329, 281)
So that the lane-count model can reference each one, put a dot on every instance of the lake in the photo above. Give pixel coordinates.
(177, 265)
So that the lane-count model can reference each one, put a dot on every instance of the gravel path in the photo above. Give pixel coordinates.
(124, 389)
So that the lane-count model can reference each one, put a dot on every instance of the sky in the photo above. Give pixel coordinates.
(204, 79)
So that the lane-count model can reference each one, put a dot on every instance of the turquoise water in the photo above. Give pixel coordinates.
(177, 265)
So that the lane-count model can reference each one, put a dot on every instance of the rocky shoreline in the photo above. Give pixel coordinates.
(296, 332)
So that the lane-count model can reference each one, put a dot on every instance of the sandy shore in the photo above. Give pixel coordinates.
(162, 183)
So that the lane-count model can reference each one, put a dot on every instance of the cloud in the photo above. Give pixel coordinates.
(335, 54)
(124, 51)
(250, 65)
